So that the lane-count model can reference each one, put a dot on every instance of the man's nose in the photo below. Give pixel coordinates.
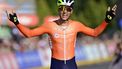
(64, 11)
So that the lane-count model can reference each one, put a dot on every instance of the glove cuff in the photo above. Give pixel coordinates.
(16, 23)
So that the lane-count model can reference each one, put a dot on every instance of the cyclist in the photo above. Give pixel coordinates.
(117, 61)
(63, 33)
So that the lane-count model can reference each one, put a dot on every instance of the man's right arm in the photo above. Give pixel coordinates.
(26, 31)
(30, 33)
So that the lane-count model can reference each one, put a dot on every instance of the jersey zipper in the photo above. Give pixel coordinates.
(64, 47)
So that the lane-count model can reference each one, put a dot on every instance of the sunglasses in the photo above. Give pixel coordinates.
(62, 8)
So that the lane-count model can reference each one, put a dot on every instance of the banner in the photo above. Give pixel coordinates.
(24, 8)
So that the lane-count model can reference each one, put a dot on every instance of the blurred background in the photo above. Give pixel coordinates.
(18, 52)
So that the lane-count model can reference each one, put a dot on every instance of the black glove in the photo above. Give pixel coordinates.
(110, 14)
(13, 18)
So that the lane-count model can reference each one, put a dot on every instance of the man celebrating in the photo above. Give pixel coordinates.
(63, 32)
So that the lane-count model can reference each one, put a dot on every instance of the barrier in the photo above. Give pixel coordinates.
(28, 59)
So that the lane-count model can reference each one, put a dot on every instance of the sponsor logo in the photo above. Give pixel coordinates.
(57, 35)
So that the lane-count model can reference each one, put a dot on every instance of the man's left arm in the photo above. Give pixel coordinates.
(98, 30)
(92, 32)
(110, 14)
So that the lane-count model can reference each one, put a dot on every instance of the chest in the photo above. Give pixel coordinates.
(63, 31)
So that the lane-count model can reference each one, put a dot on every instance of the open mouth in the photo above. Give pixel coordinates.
(65, 15)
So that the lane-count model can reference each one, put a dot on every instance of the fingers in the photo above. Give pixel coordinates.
(109, 8)
(114, 13)
(10, 13)
(114, 7)
(7, 14)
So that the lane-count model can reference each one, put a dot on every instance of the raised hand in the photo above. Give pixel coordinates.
(111, 13)
(12, 17)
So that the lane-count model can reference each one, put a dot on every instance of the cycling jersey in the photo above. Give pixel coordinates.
(63, 38)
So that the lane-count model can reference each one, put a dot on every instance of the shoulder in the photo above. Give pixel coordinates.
(74, 22)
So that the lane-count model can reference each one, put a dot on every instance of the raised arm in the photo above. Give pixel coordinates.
(34, 32)
(26, 31)
(92, 32)
(110, 14)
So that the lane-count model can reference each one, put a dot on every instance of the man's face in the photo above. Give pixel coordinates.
(65, 12)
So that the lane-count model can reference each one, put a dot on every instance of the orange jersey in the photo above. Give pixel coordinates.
(63, 40)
